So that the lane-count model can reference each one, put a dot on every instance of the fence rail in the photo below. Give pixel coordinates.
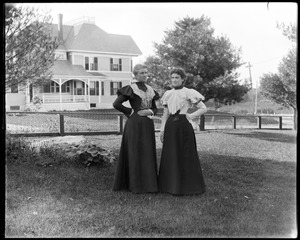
(109, 122)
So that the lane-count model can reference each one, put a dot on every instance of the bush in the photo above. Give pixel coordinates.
(17, 149)
(90, 154)
(45, 154)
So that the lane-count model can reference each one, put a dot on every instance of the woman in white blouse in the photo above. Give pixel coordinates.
(180, 171)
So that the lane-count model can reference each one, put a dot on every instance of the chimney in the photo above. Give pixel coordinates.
(60, 27)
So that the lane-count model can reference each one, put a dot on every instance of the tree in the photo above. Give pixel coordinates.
(29, 47)
(281, 87)
(158, 71)
(209, 62)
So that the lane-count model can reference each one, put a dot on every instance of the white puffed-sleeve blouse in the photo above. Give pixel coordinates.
(181, 99)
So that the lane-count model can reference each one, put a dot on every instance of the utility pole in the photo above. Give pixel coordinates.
(255, 103)
(249, 66)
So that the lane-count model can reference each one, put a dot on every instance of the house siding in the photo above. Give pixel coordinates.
(104, 63)
(78, 60)
(15, 99)
(126, 64)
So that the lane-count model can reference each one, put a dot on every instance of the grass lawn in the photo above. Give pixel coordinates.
(251, 192)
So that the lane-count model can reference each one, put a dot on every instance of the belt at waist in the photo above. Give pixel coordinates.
(176, 115)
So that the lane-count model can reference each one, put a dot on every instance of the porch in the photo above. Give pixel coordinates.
(65, 98)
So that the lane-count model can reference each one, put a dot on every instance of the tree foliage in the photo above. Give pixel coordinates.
(289, 31)
(210, 62)
(281, 87)
(29, 46)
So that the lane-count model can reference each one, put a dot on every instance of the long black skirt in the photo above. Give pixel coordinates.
(137, 165)
(180, 171)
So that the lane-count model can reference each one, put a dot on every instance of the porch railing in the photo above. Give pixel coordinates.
(65, 98)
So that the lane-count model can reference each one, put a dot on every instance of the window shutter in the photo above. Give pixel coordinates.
(86, 63)
(120, 64)
(111, 88)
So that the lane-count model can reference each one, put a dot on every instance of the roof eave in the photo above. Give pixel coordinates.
(112, 53)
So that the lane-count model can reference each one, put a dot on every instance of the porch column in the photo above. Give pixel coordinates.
(73, 90)
(60, 97)
(87, 90)
(27, 95)
(100, 90)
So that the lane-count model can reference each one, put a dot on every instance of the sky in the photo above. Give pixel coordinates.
(250, 26)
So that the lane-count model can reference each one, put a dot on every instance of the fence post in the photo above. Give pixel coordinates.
(121, 123)
(61, 124)
(280, 122)
(259, 122)
(234, 122)
(202, 123)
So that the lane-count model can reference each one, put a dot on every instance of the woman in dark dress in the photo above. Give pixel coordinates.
(137, 165)
(180, 171)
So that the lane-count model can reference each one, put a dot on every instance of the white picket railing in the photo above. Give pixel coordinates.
(65, 99)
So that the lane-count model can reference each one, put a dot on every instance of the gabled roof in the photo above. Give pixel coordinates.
(89, 37)
(65, 68)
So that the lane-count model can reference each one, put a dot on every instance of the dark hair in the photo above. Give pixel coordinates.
(179, 71)
(137, 68)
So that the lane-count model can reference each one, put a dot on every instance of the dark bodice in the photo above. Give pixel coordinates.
(127, 94)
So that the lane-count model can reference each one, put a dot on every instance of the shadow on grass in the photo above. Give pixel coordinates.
(245, 197)
(268, 136)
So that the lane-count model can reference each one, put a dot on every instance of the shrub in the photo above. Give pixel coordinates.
(17, 149)
(90, 154)
(46, 153)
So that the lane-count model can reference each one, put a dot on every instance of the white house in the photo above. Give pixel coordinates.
(91, 65)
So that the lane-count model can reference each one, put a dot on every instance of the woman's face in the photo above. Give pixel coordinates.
(142, 75)
(176, 80)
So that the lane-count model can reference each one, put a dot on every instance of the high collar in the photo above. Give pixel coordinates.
(141, 85)
(138, 82)
(179, 87)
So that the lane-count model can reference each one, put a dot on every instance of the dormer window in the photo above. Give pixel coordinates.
(115, 64)
(60, 56)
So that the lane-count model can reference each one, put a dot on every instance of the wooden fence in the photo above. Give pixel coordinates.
(95, 123)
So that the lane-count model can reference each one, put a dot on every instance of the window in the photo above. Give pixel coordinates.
(115, 64)
(65, 88)
(59, 56)
(79, 88)
(114, 86)
(94, 65)
(102, 88)
(30, 92)
(46, 88)
(52, 87)
(93, 105)
(91, 63)
(14, 86)
(94, 88)
(13, 108)
(86, 63)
